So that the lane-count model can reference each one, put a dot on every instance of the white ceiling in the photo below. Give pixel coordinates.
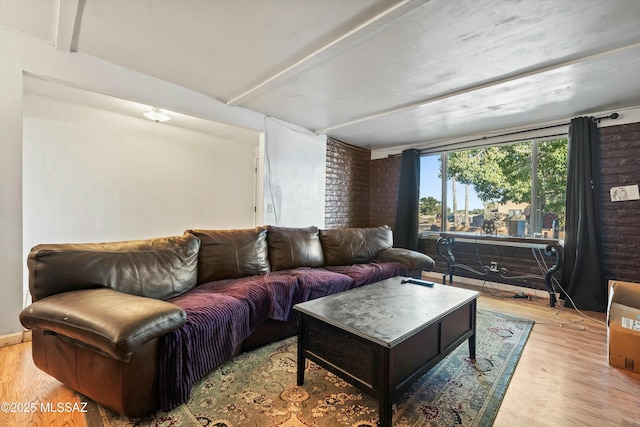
(376, 73)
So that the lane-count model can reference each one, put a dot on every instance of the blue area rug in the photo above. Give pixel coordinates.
(259, 389)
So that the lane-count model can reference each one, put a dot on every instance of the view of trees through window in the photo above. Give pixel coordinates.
(516, 190)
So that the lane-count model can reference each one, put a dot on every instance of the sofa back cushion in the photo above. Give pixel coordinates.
(294, 247)
(229, 254)
(346, 246)
(160, 268)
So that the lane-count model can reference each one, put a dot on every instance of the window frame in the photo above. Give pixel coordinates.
(536, 221)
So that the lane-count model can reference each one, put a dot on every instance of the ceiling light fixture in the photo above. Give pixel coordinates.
(156, 115)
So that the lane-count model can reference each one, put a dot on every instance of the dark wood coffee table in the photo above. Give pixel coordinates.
(384, 336)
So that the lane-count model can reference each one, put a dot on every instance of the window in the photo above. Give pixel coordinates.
(516, 190)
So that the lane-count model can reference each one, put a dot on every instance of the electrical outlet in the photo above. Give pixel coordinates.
(494, 266)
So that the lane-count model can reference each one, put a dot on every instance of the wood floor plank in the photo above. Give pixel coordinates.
(563, 377)
(33, 395)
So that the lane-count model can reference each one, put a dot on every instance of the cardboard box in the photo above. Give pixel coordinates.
(623, 318)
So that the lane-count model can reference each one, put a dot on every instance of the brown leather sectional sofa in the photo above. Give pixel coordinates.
(133, 325)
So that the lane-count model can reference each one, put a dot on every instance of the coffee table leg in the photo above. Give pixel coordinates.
(385, 411)
(472, 338)
(472, 347)
(301, 332)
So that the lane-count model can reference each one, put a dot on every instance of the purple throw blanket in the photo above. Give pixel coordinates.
(222, 314)
(216, 325)
(310, 283)
(364, 274)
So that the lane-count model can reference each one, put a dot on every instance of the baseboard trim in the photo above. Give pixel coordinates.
(15, 338)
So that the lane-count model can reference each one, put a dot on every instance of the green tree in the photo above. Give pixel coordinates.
(503, 173)
(429, 206)
(552, 174)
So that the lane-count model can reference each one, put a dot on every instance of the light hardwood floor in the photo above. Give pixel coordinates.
(562, 379)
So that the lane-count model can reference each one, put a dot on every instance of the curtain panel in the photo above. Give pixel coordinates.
(405, 234)
(582, 275)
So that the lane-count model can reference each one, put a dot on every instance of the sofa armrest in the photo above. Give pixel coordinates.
(411, 259)
(113, 322)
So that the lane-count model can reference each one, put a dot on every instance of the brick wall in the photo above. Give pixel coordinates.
(360, 192)
(620, 152)
(385, 178)
(347, 197)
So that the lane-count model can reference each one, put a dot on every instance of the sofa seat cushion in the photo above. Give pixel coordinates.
(318, 282)
(283, 289)
(363, 274)
(290, 287)
(251, 290)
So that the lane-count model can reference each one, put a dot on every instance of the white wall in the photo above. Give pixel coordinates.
(302, 200)
(92, 175)
(10, 184)
(294, 177)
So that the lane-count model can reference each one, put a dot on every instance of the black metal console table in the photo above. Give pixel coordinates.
(552, 248)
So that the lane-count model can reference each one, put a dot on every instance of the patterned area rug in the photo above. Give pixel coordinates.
(259, 389)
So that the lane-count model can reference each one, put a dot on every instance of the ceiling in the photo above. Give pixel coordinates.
(375, 73)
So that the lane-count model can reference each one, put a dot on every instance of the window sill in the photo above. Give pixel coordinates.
(501, 240)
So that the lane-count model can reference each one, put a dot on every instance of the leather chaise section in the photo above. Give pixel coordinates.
(113, 322)
(130, 388)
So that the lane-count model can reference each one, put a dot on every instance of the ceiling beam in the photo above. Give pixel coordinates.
(69, 19)
(362, 30)
(476, 87)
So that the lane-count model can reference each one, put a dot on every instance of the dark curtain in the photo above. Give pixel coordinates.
(405, 234)
(582, 276)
